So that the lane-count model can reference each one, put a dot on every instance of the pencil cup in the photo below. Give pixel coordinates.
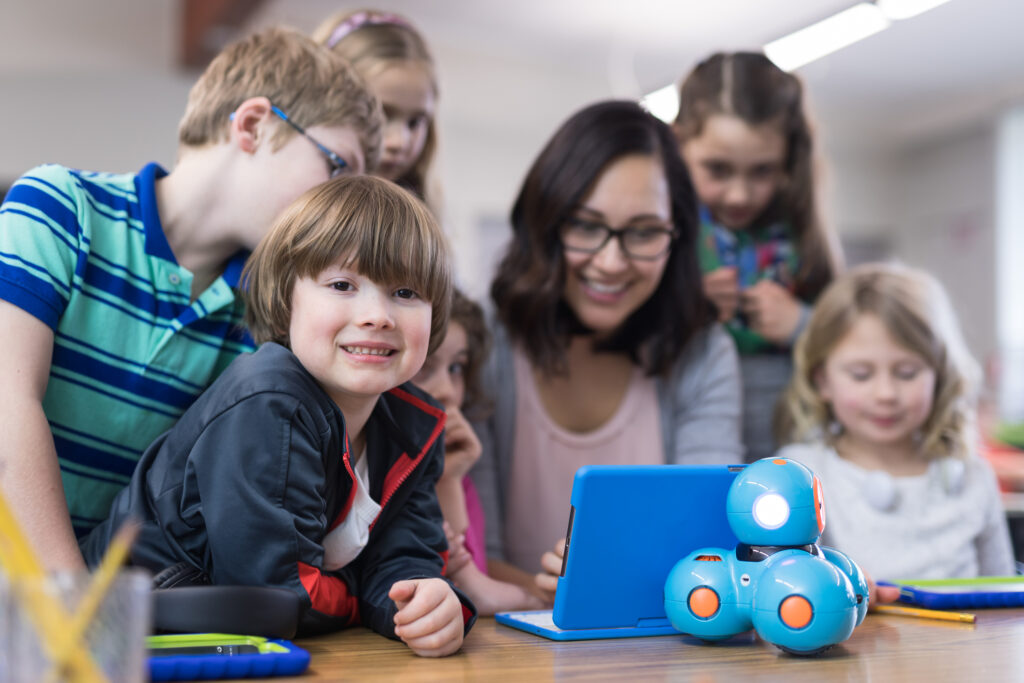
(112, 642)
(6, 665)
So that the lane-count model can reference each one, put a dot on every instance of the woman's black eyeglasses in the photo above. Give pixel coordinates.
(645, 243)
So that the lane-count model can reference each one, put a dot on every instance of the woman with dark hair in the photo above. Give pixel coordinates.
(606, 349)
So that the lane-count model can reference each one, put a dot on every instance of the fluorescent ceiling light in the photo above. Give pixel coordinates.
(904, 9)
(813, 42)
(663, 103)
(827, 36)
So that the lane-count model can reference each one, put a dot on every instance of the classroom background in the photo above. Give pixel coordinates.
(922, 123)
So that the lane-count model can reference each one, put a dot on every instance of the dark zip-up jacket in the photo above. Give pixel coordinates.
(255, 474)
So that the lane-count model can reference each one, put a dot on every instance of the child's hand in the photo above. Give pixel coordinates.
(551, 563)
(490, 595)
(722, 287)
(458, 556)
(879, 595)
(429, 618)
(461, 446)
(772, 311)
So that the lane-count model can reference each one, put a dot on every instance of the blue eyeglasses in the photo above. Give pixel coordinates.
(335, 163)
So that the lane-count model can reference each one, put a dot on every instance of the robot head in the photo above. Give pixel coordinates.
(776, 501)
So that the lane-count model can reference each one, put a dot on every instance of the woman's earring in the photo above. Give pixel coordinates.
(834, 428)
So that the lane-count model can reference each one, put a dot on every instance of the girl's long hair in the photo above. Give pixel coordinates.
(749, 86)
(371, 41)
(915, 310)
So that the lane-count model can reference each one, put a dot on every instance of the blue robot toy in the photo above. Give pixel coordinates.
(797, 595)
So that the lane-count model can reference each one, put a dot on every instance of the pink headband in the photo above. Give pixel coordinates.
(361, 19)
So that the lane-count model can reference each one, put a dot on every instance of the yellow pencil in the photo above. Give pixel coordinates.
(925, 613)
(22, 566)
(116, 554)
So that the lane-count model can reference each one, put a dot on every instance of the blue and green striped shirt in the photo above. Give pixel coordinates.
(86, 254)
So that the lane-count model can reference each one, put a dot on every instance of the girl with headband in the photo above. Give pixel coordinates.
(392, 57)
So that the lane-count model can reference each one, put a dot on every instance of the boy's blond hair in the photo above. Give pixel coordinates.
(915, 310)
(380, 229)
(313, 86)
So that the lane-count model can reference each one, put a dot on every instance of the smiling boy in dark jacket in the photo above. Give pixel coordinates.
(306, 465)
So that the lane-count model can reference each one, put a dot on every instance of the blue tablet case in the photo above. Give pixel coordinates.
(986, 591)
(628, 527)
(270, 657)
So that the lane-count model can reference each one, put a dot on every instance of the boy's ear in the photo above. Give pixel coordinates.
(248, 123)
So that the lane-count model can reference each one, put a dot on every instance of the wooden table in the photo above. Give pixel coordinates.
(883, 648)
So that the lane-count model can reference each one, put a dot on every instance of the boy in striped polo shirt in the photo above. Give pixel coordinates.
(118, 293)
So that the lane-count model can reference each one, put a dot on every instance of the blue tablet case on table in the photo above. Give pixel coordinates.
(628, 526)
(205, 656)
(985, 591)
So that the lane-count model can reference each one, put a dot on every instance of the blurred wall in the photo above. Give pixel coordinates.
(945, 215)
(491, 126)
(91, 121)
(1010, 262)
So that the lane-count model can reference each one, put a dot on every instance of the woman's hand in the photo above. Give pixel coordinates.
(551, 563)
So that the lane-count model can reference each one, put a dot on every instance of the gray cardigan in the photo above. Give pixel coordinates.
(699, 401)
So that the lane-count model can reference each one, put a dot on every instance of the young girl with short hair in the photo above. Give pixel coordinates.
(451, 374)
(393, 59)
(882, 402)
(765, 252)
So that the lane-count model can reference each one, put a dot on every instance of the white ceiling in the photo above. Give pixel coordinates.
(951, 66)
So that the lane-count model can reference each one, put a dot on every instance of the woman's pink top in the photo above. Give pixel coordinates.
(546, 456)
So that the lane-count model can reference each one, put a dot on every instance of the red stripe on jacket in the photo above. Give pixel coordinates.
(396, 476)
(347, 462)
(399, 472)
(329, 594)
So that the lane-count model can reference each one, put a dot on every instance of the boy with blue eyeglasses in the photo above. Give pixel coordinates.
(118, 299)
